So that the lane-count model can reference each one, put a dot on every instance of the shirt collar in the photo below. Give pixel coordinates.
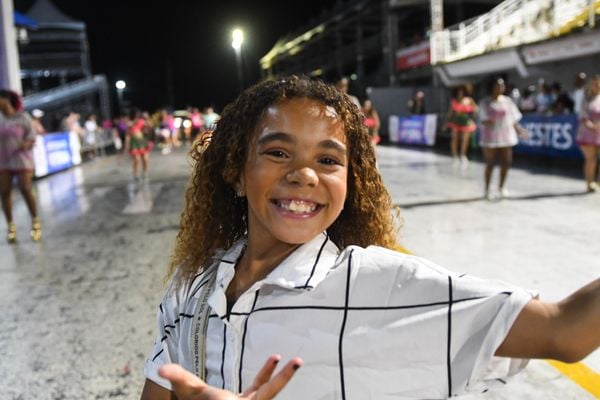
(304, 269)
(307, 266)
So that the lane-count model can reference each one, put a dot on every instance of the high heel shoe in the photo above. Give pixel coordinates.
(36, 230)
(12, 233)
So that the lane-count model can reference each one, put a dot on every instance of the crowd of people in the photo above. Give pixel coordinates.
(551, 98)
(497, 115)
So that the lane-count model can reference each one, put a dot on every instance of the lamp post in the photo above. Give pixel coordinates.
(237, 39)
(120, 85)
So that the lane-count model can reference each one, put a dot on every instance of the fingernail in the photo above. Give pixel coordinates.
(296, 366)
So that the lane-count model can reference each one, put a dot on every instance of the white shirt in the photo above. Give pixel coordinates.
(368, 323)
(503, 115)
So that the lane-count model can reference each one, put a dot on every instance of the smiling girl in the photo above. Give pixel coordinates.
(283, 249)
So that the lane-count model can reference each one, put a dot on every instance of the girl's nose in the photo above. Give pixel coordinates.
(304, 176)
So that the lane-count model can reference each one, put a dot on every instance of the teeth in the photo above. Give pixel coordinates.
(298, 206)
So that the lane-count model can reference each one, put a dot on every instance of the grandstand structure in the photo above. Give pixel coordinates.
(55, 70)
(392, 48)
(361, 38)
(522, 40)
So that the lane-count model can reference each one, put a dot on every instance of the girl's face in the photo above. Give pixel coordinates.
(295, 176)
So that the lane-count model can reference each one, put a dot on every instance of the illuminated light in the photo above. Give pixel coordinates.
(238, 38)
(353, 77)
(187, 123)
(317, 72)
(177, 123)
(120, 85)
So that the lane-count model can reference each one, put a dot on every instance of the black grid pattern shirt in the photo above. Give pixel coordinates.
(368, 323)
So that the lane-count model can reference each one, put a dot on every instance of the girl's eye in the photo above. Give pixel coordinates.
(275, 153)
(329, 161)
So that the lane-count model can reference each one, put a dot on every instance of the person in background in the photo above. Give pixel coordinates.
(36, 121)
(138, 146)
(461, 122)
(372, 121)
(343, 86)
(544, 98)
(499, 118)
(210, 118)
(91, 131)
(165, 135)
(122, 124)
(71, 124)
(588, 133)
(578, 94)
(416, 105)
(563, 104)
(17, 138)
(527, 104)
(197, 122)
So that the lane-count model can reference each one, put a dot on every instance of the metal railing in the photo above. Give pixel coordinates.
(511, 23)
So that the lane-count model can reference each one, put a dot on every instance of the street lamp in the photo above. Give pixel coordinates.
(237, 39)
(120, 85)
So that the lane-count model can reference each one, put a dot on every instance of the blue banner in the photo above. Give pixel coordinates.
(58, 151)
(415, 129)
(550, 135)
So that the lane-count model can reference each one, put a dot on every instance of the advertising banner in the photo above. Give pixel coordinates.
(55, 152)
(415, 129)
(413, 56)
(550, 135)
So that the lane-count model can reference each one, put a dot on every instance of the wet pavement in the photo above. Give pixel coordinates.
(79, 315)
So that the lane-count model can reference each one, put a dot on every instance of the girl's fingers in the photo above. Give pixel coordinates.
(263, 375)
(278, 382)
(184, 382)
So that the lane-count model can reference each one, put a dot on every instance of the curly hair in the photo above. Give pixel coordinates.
(214, 217)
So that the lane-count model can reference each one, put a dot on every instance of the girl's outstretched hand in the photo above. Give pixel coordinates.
(188, 386)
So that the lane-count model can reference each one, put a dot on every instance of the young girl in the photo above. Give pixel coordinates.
(282, 250)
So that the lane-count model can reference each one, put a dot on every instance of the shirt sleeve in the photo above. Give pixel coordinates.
(480, 315)
(165, 349)
(479, 327)
(452, 323)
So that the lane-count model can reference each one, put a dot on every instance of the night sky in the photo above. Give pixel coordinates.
(134, 41)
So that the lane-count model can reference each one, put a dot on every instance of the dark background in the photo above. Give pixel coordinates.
(182, 45)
